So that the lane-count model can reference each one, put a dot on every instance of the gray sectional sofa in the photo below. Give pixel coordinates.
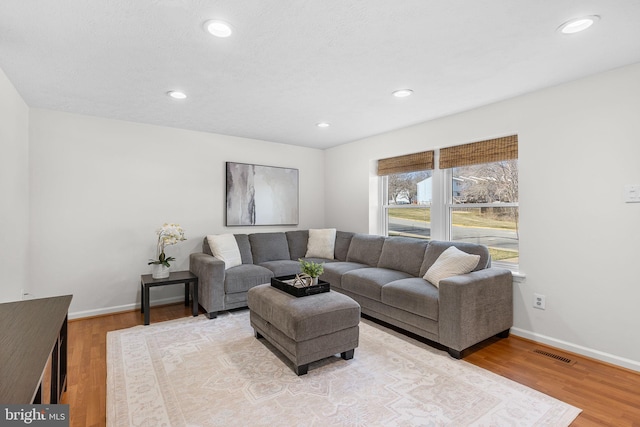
(383, 274)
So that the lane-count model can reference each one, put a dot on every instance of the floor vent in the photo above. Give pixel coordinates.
(555, 356)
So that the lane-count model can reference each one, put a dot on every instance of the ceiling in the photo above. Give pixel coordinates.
(293, 63)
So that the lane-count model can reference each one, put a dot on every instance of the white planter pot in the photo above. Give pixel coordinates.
(159, 271)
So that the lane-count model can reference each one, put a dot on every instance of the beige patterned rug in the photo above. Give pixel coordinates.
(200, 372)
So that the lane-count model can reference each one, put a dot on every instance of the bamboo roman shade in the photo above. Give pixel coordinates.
(407, 163)
(491, 150)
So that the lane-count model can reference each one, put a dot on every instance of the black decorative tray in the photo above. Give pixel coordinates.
(284, 283)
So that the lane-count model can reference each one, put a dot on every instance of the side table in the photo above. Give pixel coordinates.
(176, 277)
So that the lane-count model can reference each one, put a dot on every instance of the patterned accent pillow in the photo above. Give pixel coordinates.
(225, 248)
(322, 243)
(451, 262)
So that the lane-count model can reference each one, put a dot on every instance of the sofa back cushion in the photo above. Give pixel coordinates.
(365, 249)
(343, 240)
(245, 248)
(436, 248)
(297, 241)
(403, 254)
(269, 247)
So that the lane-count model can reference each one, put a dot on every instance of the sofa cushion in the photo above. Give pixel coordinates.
(403, 254)
(436, 247)
(365, 249)
(343, 240)
(283, 267)
(333, 271)
(269, 247)
(245, 248)
(321, 243)
(297, 241)
(451, 262)
(368, 282)
(225, 248)
(244, 277)
(413, 295)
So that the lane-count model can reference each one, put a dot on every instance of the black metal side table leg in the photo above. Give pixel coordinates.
(141, 297)
(146, 304)
(194, 294)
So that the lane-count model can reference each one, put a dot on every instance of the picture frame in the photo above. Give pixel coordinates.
(261, 195)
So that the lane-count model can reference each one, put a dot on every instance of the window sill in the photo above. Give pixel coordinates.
(518, 276)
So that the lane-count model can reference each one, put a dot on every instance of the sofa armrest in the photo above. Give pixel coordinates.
(210, 271)
(474, 307)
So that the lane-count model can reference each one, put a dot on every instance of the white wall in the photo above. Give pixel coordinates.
(100, 188)
(14, 191)
(579, 144)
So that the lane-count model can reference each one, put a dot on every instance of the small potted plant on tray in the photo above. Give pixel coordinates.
(310, 271)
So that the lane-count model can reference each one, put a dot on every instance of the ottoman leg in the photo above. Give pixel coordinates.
(346, 355)
(302, 369)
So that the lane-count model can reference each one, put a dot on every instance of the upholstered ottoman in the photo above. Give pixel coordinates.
(305, 329)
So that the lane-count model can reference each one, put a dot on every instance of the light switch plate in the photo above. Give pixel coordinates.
(632, 193)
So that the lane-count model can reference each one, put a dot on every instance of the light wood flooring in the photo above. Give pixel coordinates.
(607, 395)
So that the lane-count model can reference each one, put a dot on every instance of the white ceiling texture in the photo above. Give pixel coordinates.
(291, 64)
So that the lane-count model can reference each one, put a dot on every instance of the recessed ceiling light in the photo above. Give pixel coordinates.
(402, 93)
(176, 94)
(323, 125)
(218, 28)
(579, 24)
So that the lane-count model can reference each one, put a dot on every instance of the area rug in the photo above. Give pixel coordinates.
(201, 372)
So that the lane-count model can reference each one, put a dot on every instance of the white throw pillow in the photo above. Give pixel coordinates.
(322, 243)
(225, 248)
(451, 262)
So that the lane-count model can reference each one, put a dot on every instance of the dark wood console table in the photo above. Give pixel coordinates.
(33, 336)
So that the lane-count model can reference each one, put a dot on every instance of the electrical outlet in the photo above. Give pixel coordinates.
(539, 301)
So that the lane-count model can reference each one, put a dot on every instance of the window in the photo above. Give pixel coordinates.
(407, 192)
(483, 207)
(408, 208)
(473, 195)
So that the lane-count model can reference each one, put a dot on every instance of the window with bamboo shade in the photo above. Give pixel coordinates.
(480, 201)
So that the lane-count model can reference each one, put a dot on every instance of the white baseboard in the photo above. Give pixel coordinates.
(578, 349)
(119, 308)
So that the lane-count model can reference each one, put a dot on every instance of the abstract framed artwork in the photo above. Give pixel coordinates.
(261, 195)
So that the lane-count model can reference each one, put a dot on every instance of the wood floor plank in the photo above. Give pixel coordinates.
(607, 395)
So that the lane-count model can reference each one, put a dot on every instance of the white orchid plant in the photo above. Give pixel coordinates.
(168, 234)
